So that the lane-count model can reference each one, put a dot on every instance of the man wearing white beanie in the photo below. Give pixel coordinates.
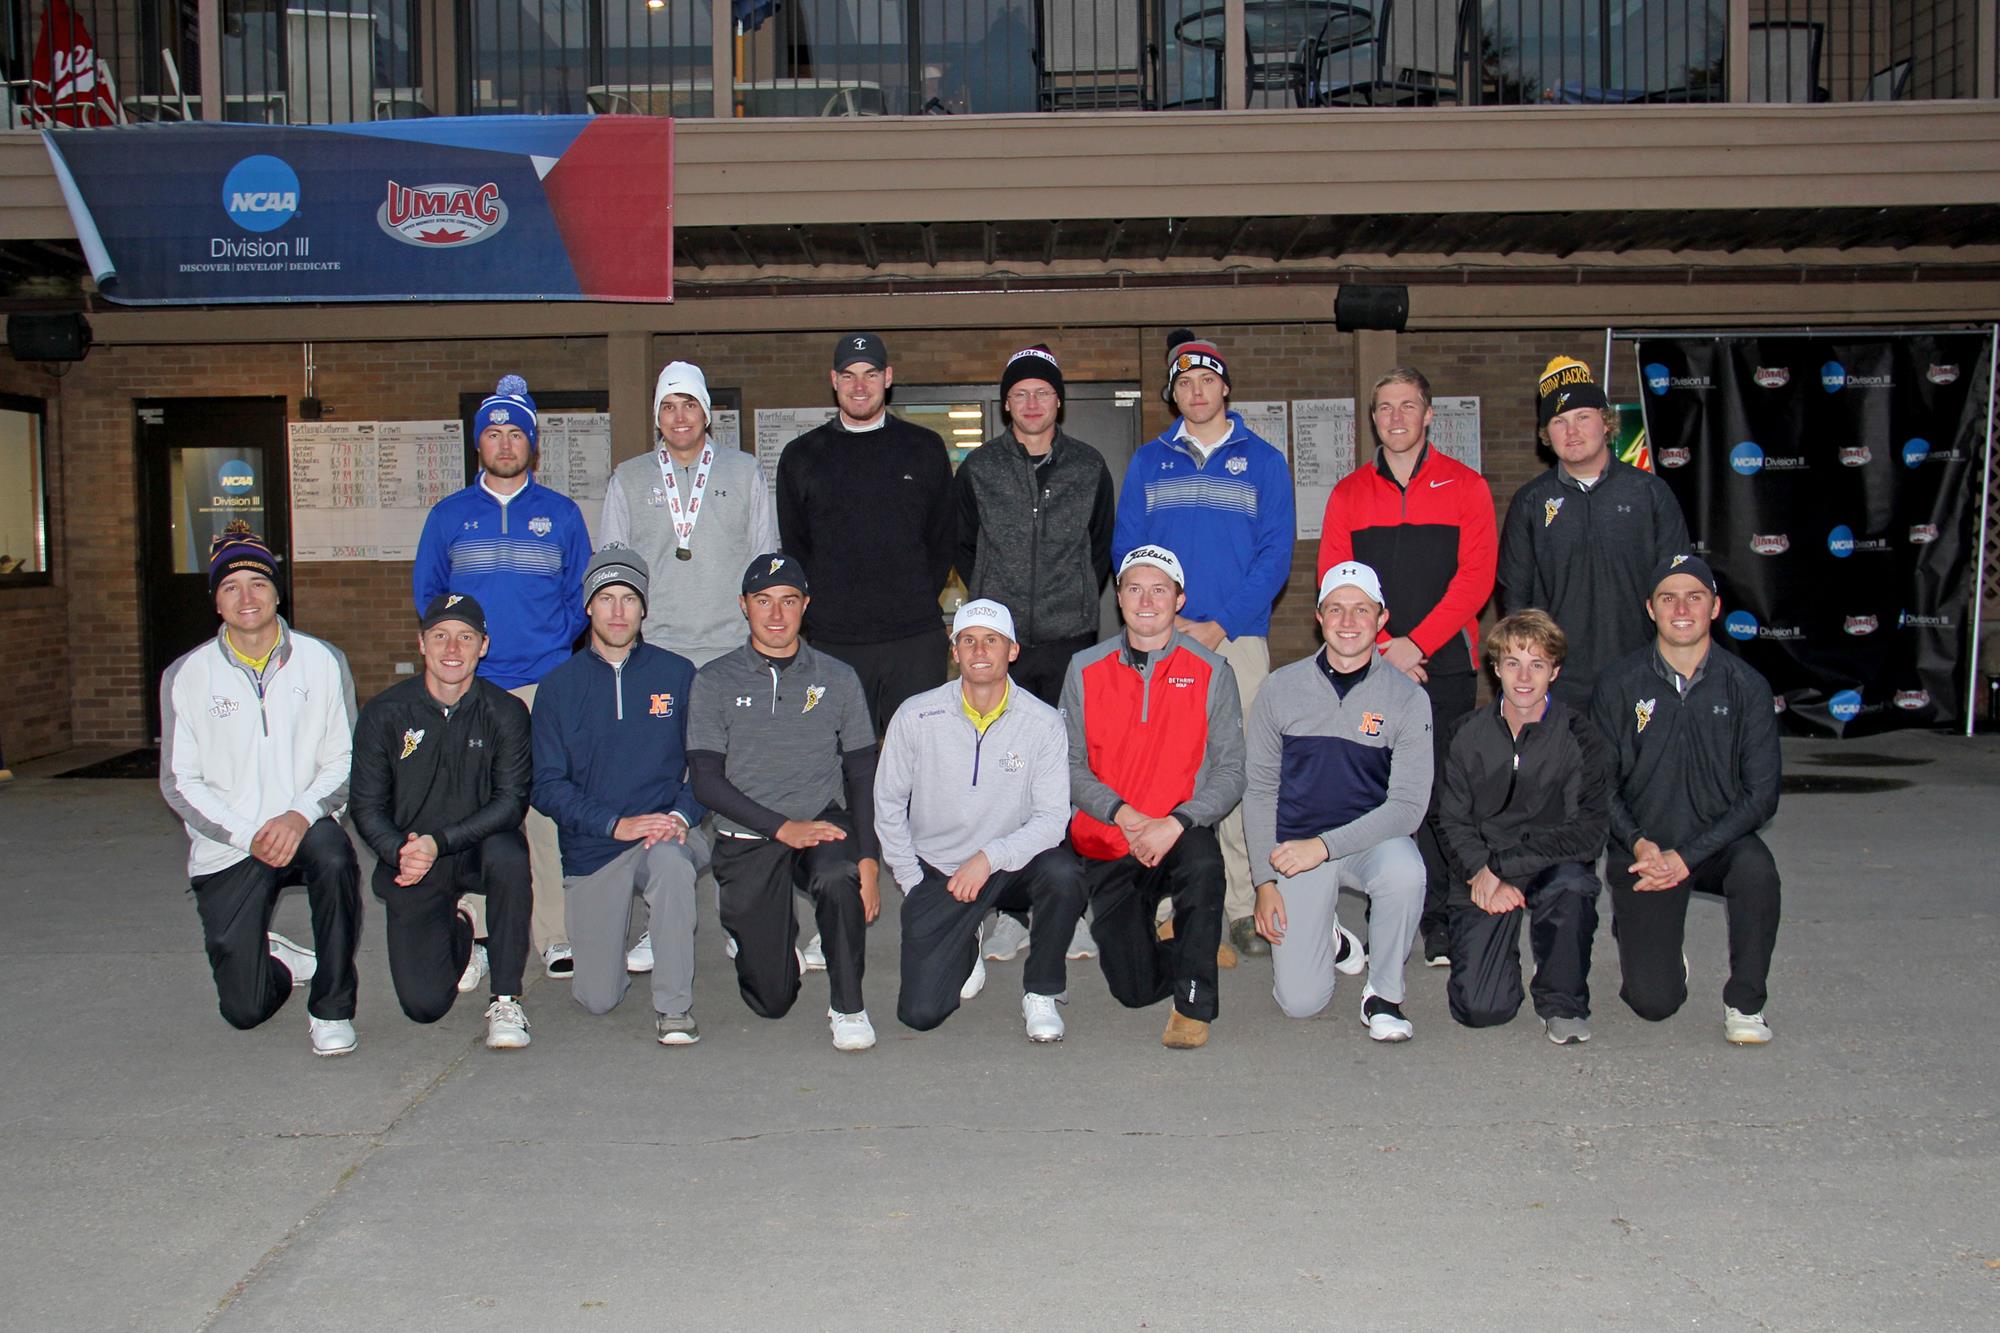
(698, 512)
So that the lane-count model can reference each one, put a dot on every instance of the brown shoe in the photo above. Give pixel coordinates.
(1225, 956)
(1184, 1033)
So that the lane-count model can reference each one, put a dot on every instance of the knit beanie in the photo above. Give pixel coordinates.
(1186, 352)
(239, 548)
(507, 405)
(1031, 363)
(1565, 386)
(681, 377)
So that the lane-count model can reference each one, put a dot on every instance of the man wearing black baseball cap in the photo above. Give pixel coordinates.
(441, 773)
(875, 605)
(1694, 766)
(781, 748)
(1580, 539)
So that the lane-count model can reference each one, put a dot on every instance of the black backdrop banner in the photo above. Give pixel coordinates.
(1834, 485)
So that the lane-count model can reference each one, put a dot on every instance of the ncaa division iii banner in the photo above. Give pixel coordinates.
(1833, 484)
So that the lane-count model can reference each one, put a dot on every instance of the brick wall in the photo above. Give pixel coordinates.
(34, 670)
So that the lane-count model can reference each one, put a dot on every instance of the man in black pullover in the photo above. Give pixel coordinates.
(1580, 539)
(1694, 774)
(1522, 816)
(441, 774)
(864, 504)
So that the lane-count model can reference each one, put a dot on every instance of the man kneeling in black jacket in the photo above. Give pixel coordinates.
(1523, 811)
(440, 784)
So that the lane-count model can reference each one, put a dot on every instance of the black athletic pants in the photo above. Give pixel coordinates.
(892, 672)
(1041, 667)
(756, 879)
(1651, 927)
(430, 939)
(236, 905)
(941, 934)
(1139, 966)
(1485, 986)
(1452, 697)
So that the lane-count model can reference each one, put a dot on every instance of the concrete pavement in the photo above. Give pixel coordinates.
(161, 1171)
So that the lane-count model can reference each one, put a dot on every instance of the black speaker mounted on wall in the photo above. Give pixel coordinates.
(57, 336)
(1360, 306)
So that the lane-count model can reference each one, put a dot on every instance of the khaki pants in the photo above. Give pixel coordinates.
(1250, 659)
(544, 870)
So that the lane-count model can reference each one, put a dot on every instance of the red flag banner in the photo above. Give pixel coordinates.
(70, 85)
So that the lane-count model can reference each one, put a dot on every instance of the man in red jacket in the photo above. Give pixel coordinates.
(1425, 523)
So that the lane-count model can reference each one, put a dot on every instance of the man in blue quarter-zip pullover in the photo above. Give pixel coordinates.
(520, 549)
(1339, 778)
(1220, 498)
(611, 771)
(971, 798)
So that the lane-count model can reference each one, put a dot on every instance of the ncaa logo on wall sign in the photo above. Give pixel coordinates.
(1833, 377)
(1845, 706)
(1915, 452)
(437, 217)
(261, 193)
(236, 476)
(1740, 625)
(1841, 541)
(1747, 458)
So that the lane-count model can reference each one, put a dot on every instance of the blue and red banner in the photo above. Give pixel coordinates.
(486, 208)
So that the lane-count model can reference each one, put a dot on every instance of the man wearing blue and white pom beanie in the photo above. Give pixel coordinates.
(520, 549)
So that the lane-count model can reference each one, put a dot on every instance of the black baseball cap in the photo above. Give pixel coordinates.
(453, 606)
(1682, 564)
(867, 348)
(774, 569)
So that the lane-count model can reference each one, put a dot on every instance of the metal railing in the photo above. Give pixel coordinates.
(94, 62)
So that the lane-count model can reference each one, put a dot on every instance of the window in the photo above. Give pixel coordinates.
(24, 492)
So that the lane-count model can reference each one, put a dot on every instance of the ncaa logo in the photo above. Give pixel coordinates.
(1740, 625)
(1845, 706)
(260, 193)
(1841, 541)
(1833, 377)
(236, 476)
(1915, 452)
(1747, 458)
(1658, 378)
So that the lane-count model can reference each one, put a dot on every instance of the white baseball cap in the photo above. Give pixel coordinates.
(984, 613)
(1159, 557)
(1352, 574)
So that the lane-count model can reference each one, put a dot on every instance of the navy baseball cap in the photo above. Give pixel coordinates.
(1682, 564)
(774, 569)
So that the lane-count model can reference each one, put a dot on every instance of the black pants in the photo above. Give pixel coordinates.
(1041, 667)
(941, 934)
(236, 905)
(1485, 986)
(1651, 927)
(756, 880)
(430, 939)
(1452, 697)
(892, 672)
(1140, 967)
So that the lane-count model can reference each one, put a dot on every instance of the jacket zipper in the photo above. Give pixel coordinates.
(618, 687)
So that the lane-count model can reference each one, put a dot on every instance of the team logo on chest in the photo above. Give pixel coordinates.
(540, 525)
(662, 705)
(814, 693)
(1371, 724)
(1013, 763)
(412, 738)
(1237, 466)
(220, 705)
(1643, 711)
(1550, 508)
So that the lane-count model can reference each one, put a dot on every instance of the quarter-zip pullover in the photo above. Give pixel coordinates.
(1520, 804)
(458, 775)
(523, 560)
(1431, 541)
(610, 740)
(1160, 731)
(1694, 763)
(944, 792)
(237, 751)
(1583, 554)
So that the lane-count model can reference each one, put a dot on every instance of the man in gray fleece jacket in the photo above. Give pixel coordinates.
(971, 796)
(1339, 778)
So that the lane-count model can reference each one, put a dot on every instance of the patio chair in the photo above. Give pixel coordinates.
(1784, 58)
(1890, 82)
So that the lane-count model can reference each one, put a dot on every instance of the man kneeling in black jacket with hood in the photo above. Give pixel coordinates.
(440, 784)
(1523, 811)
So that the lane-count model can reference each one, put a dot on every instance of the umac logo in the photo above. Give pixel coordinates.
(261, 193)
(1773, 377)
(1770, 543)
(1674, 456)
(441, 216)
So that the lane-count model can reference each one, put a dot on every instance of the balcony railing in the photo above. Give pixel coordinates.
(95, 62)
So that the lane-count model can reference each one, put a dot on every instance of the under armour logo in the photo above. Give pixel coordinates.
(744, 701)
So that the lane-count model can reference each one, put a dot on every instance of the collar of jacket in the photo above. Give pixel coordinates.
(281, 653)
(1239, 436)
(1611, 465)
(1665, 671)
(1008, 444)
(1153, 656)
(1423, 461)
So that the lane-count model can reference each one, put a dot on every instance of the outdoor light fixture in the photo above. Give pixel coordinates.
(656, 4)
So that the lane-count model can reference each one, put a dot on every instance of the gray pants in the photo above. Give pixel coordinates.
(1392, 875)
(598, 911)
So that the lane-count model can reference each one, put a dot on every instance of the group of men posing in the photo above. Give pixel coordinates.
(1160, 800)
